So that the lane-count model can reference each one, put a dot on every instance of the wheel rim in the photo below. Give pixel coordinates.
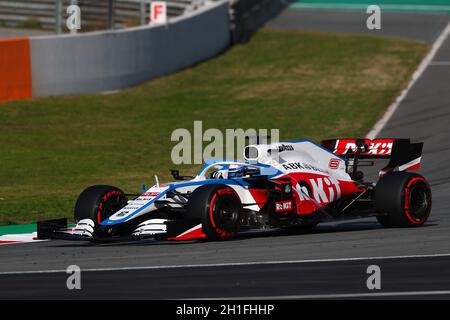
(417, 201)
(225, 212)
(228, 213)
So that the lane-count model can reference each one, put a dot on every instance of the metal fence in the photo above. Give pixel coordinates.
(96, 14)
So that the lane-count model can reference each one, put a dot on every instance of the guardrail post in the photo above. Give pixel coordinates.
(58, 6)
(111, 14)
(142, 12)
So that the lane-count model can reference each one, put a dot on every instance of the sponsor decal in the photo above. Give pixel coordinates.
(383, 147)
(283, 206)
(131, 207)
(334, 163)
(300, 166)
(322, 190)
(149, 194)
(377, 147)
(225, 191)
(120, 214)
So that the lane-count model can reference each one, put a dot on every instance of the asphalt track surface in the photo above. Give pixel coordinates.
(276, 264)
(400, 279)
(415, 26)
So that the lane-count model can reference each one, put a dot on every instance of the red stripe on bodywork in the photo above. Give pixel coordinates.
(192, 235)
(413, 167)
(260, 196)
(7, 241)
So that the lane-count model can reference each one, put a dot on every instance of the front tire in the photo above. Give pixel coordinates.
(404, 198)
(98, 203)
(219, 209)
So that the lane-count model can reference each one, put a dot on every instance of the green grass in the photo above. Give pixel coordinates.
(314, 85)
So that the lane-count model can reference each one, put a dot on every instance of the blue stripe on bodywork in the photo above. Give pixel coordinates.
(108, 222)
(240, 182)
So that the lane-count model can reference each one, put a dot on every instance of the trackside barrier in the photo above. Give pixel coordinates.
(15, 69)
(247, 16)
(111, 60)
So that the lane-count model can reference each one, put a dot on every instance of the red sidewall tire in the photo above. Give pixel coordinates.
(95, 203)
(219, 208)
(404, 199)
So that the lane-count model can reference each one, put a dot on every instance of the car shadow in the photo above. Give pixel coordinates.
(326, 228)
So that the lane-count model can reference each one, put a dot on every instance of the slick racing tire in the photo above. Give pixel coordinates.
(98, 203)
(219, 209)
(404, 198)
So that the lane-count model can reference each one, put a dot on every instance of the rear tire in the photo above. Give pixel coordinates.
(98, 203)
(404, 198)
(219, 209)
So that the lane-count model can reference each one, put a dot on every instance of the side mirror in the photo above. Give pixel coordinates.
(176, 175)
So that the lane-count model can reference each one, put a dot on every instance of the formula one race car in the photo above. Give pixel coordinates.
(294, 184)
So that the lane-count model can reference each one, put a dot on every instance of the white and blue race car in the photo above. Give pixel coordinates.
(293, 184)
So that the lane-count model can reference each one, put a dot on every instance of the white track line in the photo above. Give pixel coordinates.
(416, 75)
(337, 295)
(232, 264)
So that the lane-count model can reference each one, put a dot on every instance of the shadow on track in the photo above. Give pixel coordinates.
(326, 228)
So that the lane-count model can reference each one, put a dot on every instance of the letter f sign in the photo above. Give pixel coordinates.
(158, 12)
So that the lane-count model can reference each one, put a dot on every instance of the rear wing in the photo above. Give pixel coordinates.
(403, 154)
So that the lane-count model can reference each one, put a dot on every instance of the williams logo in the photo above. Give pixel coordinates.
(285, 147)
